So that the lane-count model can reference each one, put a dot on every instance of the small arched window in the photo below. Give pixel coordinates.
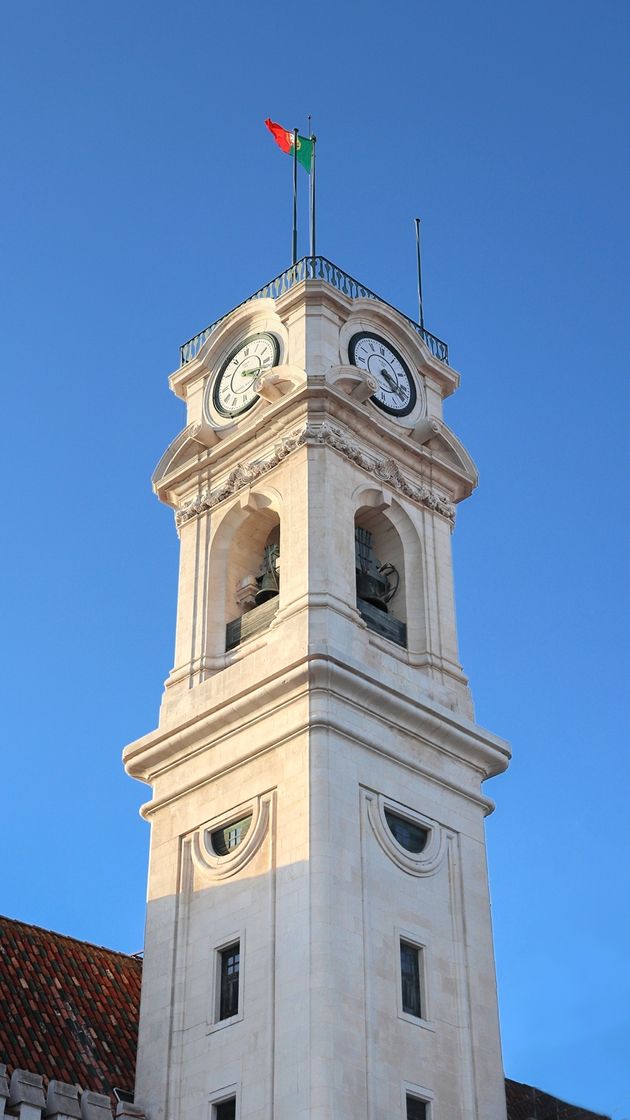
(411, 836)
(223, 840)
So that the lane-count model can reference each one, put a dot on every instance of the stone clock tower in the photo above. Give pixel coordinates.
(318, 942)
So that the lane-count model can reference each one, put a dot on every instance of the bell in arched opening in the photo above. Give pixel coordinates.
(268, 578)
(376, 583)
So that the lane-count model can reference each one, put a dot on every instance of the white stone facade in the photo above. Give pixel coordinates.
(315, 726)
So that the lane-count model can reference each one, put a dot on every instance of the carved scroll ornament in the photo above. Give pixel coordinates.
(386, 470)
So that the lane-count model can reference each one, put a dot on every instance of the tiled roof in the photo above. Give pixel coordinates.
(524, 1102)
(68, 1009)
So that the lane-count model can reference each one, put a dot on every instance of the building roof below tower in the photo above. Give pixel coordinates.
(69, 1010)
(524, 1102)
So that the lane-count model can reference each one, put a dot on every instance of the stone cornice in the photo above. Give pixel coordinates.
(321, 677)
(324, 434)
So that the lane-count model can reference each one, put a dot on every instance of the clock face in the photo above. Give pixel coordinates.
(233, 391)
(396, 393)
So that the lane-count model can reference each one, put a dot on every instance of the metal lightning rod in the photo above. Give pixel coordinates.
(420, 307)
(312, 191)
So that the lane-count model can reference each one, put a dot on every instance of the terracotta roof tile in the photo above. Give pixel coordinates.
(524, 1102)
(68, 1009)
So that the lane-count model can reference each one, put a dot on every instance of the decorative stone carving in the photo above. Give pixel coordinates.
(356, 382)
(204, 434)
(426, 429)
(386, 470)
(273, 384)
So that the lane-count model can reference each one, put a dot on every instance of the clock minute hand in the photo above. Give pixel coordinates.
(394, 386)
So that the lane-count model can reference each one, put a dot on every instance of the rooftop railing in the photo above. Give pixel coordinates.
(313, 268)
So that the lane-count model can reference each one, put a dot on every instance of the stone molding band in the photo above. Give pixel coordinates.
(386, 470)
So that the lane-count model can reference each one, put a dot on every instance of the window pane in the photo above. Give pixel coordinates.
(416, 1109)
(226, 1110)
(224, 840)
(230, 968)
(410, 977)
(409, 835)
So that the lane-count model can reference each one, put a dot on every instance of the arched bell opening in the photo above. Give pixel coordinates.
(380, 575)
(253, 576)
(268, 577)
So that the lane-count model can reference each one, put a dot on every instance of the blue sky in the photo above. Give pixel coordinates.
(141, 198)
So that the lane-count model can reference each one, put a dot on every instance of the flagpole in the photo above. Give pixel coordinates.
(295, 211)
(420, 307)
(312, 190)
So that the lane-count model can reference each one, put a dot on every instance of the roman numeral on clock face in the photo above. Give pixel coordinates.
(232, 391)
(396, 392)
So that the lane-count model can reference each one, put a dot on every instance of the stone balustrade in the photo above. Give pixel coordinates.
(23, 1097)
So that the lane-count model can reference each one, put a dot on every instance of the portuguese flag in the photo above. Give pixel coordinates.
(284, 139)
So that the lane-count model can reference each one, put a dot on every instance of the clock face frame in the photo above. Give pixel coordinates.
(233, 390)
(397, 394)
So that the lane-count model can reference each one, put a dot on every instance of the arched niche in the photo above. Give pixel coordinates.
(388, 545)
(244, 571)
(252, 567)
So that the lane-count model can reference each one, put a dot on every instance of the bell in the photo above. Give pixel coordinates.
(268, 588)
(372, 589)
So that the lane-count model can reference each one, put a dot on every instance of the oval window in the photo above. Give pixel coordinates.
(410, 836)
(225, 840)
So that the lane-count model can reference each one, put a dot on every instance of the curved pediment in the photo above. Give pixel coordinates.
(438, 438)
(183, 451)
(370, 314)
(252, 316)
(175, 451)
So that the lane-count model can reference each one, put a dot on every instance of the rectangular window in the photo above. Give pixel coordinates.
(410, 980)
(230, 964)
(225, 1110)
(416, 1109)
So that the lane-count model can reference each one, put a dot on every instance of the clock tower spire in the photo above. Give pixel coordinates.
(318, 926)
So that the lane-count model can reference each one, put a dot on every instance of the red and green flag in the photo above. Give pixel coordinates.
(284, 138)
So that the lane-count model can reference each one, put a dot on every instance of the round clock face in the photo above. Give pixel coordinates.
(396, 393)
(233, 391)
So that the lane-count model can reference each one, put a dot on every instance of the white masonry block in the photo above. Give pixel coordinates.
(26, 1096)
(4, 1088)
(127, 1111)
(62, 1101)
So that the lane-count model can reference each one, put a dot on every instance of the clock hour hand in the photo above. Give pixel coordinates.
(394, 386)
